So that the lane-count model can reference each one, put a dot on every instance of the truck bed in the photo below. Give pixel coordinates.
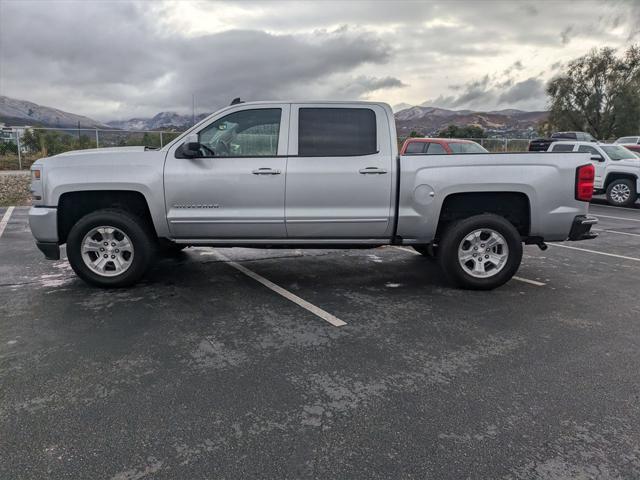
(546, 181)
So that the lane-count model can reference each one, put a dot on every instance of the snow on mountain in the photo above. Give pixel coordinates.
(162, 120)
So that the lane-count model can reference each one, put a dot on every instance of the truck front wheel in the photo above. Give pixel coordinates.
(110, 248)
(622, 192)
(480, 252)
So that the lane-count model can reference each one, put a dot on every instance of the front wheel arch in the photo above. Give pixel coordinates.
(622, 191)
(143, 247)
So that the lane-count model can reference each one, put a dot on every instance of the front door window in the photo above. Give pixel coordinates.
(247, 133)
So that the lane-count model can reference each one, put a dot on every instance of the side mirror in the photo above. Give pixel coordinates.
(191, 145)
(597, 158)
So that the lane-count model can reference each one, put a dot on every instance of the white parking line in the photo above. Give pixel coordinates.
(519, 279)
(336, 322)
(618, 218)
(409, 250)
(5, 219)
(594, 251)
(532, 282)
(614, 231)
(611, 206)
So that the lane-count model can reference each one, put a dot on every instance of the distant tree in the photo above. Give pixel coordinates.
(83, 143)
(598, 93)
(464, 131)
(30, 141)
(8, 147)
(415, 134)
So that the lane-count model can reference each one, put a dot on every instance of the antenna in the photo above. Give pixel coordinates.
(193, 109)
(236, 101)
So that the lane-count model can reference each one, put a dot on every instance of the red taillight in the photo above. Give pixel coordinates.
(585, 175)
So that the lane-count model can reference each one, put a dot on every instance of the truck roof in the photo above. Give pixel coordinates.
(328, 102)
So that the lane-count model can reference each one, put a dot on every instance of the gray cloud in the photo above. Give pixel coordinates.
(494, 92)
(133, 58)
(525, 90)
(566, 34)
(146, 71)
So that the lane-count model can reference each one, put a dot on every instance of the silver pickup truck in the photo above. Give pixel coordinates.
(305, 174)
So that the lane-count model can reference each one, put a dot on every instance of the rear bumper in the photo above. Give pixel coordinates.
(581, 228)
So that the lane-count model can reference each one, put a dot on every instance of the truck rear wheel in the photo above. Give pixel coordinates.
(110, 248)
(480, 252)
(622, 192)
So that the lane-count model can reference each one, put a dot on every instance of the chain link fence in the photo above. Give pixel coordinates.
(24, 146)
(19, 148)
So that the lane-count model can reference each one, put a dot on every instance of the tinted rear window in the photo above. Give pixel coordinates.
(324, 132)
(627, 140)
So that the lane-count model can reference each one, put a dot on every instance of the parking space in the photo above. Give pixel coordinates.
(208, 370)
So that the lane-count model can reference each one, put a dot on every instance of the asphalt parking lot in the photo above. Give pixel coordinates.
(205, 371)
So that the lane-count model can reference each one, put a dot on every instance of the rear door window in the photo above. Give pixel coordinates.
(416, 147)
(435, 149)
(466, 148)
(334, 132)
(562, 147)
(588, 149)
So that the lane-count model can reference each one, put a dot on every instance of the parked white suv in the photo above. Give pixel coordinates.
(617, 169)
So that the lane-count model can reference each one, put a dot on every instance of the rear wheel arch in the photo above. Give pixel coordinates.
(514, 206)
(72, 206)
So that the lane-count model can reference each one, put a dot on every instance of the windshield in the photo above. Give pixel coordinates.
(627, 140)
(616, 152)
(465, 147)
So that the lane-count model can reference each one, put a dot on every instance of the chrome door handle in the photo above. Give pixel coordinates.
(372, 170)
(266, 171)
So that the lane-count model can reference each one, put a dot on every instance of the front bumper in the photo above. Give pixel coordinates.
(43, 222)
(581, 228)
(51, 250)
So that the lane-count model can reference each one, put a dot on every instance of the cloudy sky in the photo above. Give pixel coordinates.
(120, 59)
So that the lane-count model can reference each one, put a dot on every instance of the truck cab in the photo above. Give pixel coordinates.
(617, 169)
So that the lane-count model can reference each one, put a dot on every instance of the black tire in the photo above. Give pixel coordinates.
(428, 251)
(142, 239)
(624, 184)
(456, 233)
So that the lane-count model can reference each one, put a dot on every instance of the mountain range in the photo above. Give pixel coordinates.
(161, 121)
(424, 120)
(22, 112)
(427, 120)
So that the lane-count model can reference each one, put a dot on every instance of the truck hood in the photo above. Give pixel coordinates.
(99, 151)
(629, 162)
(112, 156)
